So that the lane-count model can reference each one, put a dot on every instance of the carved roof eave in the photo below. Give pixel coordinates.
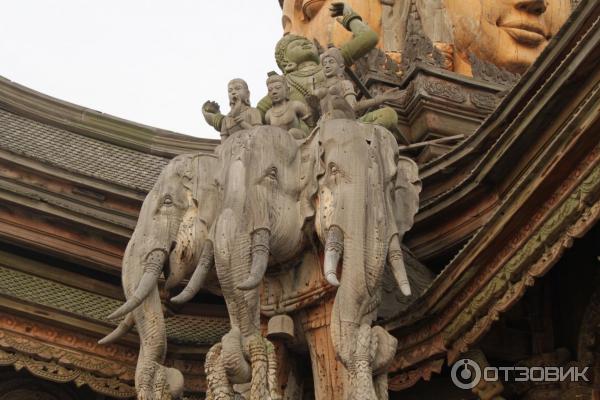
(50, 323)
(551, 65)
(495, 151)
(32, 104)
(555, 199)
(480, 284)
(63, 356)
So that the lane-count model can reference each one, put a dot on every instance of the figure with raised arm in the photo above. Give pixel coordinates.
(338, 98)
(241, 116)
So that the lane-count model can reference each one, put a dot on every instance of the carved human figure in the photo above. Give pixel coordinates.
(299, 60)
(309, 18)
(292, 115)
(241, 116)
(338, 98)
(507, 33)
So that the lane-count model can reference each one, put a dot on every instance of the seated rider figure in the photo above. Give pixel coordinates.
(291, 115)
(299, 60)
(241, 116)
(338, 98)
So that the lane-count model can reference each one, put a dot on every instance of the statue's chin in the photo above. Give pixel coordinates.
(519, 62)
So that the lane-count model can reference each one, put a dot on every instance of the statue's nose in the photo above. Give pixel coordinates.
(536, 7)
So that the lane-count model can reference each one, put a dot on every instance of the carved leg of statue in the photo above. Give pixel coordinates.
(219, 387)
(385, 350)
(386, 117)
(153, 380)
(298, 134)
(361, 374)
(272, 378)
(381, 386)
(264, 369)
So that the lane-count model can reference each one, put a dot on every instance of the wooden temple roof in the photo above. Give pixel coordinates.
(72, 181)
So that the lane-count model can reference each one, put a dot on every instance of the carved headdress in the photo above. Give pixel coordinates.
(336, 54)
(280, 51)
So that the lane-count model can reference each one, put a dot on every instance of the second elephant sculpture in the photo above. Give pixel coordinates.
(266, 180)
(359, 223)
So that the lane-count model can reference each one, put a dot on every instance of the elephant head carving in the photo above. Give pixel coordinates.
(366, 202)
(172, 226)
(266, 181)
(345, 182)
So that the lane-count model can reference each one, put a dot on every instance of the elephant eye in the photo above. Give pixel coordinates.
(333, 169)
(271, 173)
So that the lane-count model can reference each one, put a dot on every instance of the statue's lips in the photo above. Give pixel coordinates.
(528, 35)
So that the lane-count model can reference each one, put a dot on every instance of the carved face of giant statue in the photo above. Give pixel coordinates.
(508, 33)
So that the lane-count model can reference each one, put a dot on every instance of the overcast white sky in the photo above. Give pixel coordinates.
(150, 61)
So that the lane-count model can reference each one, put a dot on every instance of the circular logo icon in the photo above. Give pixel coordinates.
(466, 374)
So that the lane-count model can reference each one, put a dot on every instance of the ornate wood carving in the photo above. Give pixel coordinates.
(489, 72)
(568, 215)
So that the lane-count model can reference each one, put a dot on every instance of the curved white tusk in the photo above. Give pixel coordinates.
(334, 247)
(260, 259)
(152, 270)
(120, 331)
(198, 278)
(396, 261)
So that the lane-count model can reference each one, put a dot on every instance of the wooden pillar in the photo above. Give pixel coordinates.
(328, 373)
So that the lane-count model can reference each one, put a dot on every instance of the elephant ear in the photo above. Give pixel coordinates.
(311, 168)
(192, 230)
(388, 149)
(408, 188)
(184, 257)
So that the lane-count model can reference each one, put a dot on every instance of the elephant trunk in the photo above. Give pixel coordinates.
(153, 265)
(334, 247)
(260, 259)
(198, 278)
(396, 261)
(238, 370)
